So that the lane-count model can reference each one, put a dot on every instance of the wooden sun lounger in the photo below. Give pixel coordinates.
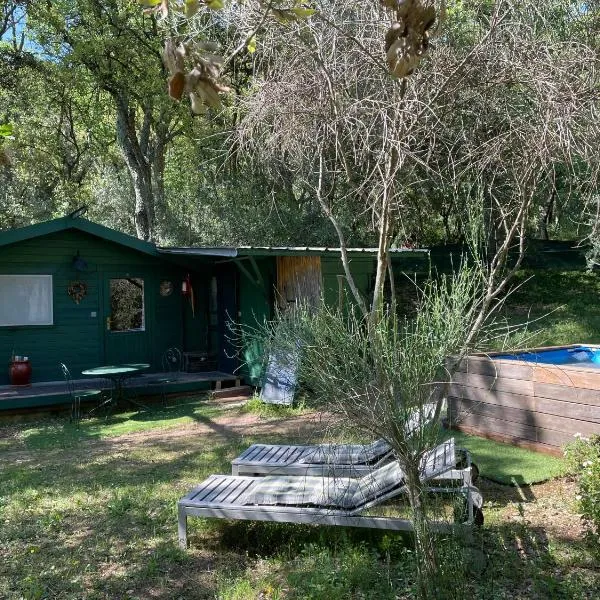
(327, 460)
(316, 500)
(322, 459)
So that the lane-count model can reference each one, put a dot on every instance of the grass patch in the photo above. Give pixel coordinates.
(257, 406)
(507, 464)
(98, 520)
(60, 433)
(320, 573)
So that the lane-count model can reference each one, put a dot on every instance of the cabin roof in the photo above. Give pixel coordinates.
(70, 222)
(241, 251)
(13, 236)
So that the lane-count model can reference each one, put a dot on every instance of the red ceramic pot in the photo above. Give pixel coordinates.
(19, 372)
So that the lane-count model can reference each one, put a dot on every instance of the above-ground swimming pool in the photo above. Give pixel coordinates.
(573, 355)
(536, 398)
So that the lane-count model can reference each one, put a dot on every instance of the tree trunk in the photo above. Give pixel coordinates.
(425, 554)
(141, 179)
(382, 259)
(158, 178)
(139, 168)
(385, 235)
(548, 215)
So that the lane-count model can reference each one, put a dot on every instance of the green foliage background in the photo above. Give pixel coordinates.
(56, 90)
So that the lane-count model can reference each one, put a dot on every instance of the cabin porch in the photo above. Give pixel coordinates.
(52, 395)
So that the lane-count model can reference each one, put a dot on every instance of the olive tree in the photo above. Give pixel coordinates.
(492, 112)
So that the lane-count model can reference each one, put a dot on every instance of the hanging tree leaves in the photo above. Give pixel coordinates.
(196, 67)
(407, 40)
(195, 70)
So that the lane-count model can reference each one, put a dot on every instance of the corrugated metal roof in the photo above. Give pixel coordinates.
(201, 251)
(231, 252)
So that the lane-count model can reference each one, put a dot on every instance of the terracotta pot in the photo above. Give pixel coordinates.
(19, 372)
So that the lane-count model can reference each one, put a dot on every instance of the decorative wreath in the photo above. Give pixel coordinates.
(77, 291)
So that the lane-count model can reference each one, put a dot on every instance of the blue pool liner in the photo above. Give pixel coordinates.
(557, 356)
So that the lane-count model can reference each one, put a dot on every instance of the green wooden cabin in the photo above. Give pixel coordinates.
(76, 292)
(76, 263)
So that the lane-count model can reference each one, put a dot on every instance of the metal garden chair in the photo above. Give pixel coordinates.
(76, 395)
(172, 365)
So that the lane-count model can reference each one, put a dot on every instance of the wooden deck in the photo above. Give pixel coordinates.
(53, 394)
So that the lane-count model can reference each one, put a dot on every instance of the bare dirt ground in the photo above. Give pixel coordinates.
(549, 506)
(231, 424)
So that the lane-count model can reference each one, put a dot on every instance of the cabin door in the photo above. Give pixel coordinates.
(126, 323)
(299, 280)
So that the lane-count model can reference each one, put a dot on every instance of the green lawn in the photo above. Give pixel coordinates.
(510, 465)
(52, 433)
(91, 514)
(498, 462)
(58, 432)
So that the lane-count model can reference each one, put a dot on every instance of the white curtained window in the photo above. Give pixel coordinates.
(25, 300)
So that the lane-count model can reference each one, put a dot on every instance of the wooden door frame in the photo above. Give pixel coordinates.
(104, 287)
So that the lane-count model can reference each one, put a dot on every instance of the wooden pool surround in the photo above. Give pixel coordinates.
(538, 406)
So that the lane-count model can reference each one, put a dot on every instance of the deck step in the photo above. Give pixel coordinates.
(238, 391)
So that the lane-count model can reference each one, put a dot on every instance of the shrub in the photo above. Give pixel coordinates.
(583, 457)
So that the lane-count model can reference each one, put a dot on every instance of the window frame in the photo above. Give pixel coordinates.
(142, 329)
(45, 276)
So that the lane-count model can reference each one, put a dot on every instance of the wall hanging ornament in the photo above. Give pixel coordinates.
(188, 291)
(78, 263)
(166, 288)
(77, 291)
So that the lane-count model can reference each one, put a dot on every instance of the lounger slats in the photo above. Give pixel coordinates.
(220, 493)
(199, 494)
(253, 452)
(247, 454)
(277, 453)
(212, 487)
(295, 454)
(325, 459)
(440, 459)
(261, 453)
(303, 491)
(280, 454)
(219, 489)
(232, 494)
(352, 460)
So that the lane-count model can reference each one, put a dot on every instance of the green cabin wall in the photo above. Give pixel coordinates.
(363, 271)
(77, 337)
(255, 306)
(257, 298)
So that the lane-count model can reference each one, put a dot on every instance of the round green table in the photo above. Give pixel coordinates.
(117, 375)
